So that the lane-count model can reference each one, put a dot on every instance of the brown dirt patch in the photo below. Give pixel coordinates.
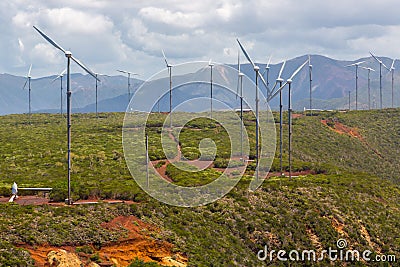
(340, 128)
(136, 243)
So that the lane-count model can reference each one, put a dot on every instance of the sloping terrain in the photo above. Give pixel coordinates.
(353, 193)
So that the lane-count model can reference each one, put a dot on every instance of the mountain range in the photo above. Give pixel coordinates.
(331, 84)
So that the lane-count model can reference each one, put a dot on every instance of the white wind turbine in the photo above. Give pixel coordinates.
(267, 68)
(28, 81)
(240, 89)
(269, 92)
(289, 81)
(129, 81)
(280, 81)
(69, 56)
(392, 68)
(256, 70)
(61, 88)
(369, 87)
(310, 76)
(380, 76)
(357, 64)
(211, 65)
(169, 67)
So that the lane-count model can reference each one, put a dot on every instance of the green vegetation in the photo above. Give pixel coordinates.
(354, 194)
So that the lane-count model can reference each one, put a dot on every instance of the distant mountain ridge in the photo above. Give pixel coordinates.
(330, 86)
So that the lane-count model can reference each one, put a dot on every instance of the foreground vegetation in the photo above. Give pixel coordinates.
(354, 195)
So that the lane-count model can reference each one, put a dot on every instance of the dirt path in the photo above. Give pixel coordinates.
(340, 128)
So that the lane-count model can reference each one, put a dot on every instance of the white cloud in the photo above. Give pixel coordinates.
(107, 35)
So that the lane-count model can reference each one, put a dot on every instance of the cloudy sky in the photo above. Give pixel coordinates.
(110, 35)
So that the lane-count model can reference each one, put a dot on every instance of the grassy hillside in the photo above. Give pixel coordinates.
(355, 196)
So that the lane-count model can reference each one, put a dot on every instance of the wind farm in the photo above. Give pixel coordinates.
(301, 161)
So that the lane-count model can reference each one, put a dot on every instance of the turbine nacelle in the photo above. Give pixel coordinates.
(68, 54)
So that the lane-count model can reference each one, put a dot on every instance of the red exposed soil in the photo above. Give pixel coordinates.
(343, 129)
(297, 115)
(136, 243)
(340, 128)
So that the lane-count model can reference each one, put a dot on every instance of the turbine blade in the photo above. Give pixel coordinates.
(267, 66)
(26, 81)
(392, 67)
(238, 62)
(49, 40)
(281, 70)
(273, 88)
(52, 81)
(84, 67)
(245, 53)
(298, 69)
(269, 61)
(165, 58)
(375, 58)
(122, 71)
(29, 72)
(355, 64)
(238, 67)
(277, 91)
(265, 84)
(309, 60)
(383, 64)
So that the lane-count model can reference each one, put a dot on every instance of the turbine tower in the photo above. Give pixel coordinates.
(97, 114)
(289, 81)
(69, 56)
(310, 75)
(357, 64)
(280, 81)
(267, 68)
(211, 65)
(256, 70)
(61, 89)
(392, 68)
(169, 67)
(380, 76)
(28, 81)
(240, 89)
(369, 87)
(129, 81)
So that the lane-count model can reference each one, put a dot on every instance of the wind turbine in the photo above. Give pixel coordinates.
(61, 88)
(28, 81)
(170, 87)
(289, 81)
(129, 81)
(211, 65)
(357, 64)
(69, 56)
(240, 88)
(256, 70)
(369, 87)
(380, 76)
(310, 74)
(267, 68)
(392, 68)
(97, 114)
(280, 81)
